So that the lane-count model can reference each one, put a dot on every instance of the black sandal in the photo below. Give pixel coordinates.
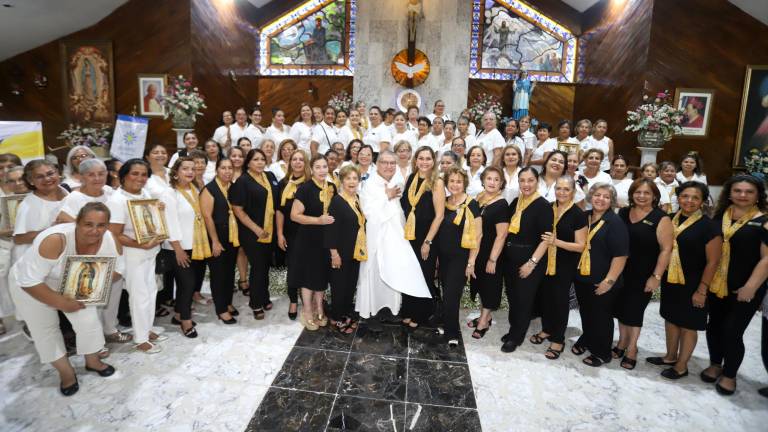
(479, 333)
(537, 339)
(476, 321)
(246, 291)
(342, 328)
(578, 350)
(593, 361)
(258, 314)
(555, 353)
(618, 352)
(190, 332)
(628, 363)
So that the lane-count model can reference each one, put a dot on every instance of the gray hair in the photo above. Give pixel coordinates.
(607, 186)
(490, 113)
(69, 168)
(90, 165)
(387, 153)
(13, 169)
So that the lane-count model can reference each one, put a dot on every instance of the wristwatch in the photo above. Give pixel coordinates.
(657, 277)
(428, 242)
(610, 281)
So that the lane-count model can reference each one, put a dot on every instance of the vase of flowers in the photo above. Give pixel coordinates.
(77, 135)
(341, 101)
(183, 103)
(657, 121)
(756, 163)
(483, 103)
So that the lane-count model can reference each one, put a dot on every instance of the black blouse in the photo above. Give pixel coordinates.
(289, 226)
(220, 212)
(494, 213)
(342, 233)
(611, 241)
(745, 250)
(644, 245)
(692, 246)
(309, 195)
(449, 237)
(252, 197)
(536, 220)
(425, 209)
(571, 221)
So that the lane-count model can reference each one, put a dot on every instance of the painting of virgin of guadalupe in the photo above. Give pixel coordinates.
(88, 84)
(88, 278)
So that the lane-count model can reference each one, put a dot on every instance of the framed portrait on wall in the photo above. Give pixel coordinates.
(696, 105)
(87, 279)
(148, 220)
(151, 94)
(88, 82)
(753, 121)
(8, 206)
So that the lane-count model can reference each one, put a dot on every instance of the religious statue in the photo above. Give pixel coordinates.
(523, 88)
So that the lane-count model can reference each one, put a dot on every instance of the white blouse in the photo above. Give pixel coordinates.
(254, 134)
(548, 146)
(76, 200)
(301, 134)
(548, 191)
(118, 208)
(156, 184)
(601, 177)
(276, 168)
(512, 188)
(376, 135)
(475, 183)
(668, 195)
(180, 218)
(701, 178)
(324, 135)
(428, 140)
(622, 191)
(601, 144)
(410, 136)
(276, 135)
(347, 134)
(490, 141)
(34, 214)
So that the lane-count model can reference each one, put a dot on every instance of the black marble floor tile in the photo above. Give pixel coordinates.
(313, 370)
(440, 383)
(428, 345)
(356, 414)
(391, 340)
(376, 377)
(325, 338)
(290, 410)
(440, 419)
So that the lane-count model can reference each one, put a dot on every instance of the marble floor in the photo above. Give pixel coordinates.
(255, 376)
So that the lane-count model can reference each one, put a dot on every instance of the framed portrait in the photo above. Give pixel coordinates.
(569, 147)
(753, 121)
(696, 105)
(88, 279)
(151, 94)
(148, 220)
(88, 82)
(8, 206)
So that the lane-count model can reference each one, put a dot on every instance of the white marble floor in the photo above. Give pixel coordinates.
(216, 382)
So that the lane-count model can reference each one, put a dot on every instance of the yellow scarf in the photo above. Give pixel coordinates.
(233, 236)
(361, 248)
(720, 282)
(585, 262)
(334, 179)
(482, 200)
(269, 206)
(201, 249)
(552, 249)
(675, 270)
(522, 204)
(414, 196)
(468, 237)
(326, 193)
(357, 133)
(290, 189)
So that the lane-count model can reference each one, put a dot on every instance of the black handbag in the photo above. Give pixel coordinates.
(164, 261)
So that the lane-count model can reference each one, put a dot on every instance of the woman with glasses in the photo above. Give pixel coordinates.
(71, 173)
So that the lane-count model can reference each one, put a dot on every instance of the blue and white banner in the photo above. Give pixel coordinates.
(129, 138)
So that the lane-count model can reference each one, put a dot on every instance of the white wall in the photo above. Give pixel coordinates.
(443, 35)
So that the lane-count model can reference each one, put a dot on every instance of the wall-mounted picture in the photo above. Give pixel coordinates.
(87, 82)
(88, 279)
(753, 122)
(148, 220)
(8, 206)
(151, 94)
(696, 105)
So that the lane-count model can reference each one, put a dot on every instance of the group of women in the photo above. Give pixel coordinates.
(505, 213)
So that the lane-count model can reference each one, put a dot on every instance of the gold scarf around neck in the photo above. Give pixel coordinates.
(552, 249)
(290, 189)
(468, 236)
(585, 262)
(522, 204)
(719, 284)
(201, 249)
(269, 206)
(233, 234)
(326, 193)
(415, 192)
(675, 273)
(361, 247)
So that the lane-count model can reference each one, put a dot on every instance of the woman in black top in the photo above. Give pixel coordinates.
(599, 276)
(310, 261)
(254, 200)
(457, 243)
(297, 172)
(693, 261)
(423, 203)
(490, 262)
(650, 245)
(530, 218)
(345, 238)
(565, 241)
(739, 284)
(222, 231)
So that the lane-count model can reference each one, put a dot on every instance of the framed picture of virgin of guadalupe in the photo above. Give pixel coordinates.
(8, 206)
(148, 220)
(88, 279)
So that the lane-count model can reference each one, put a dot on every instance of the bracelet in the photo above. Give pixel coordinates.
(657, 277)
(706, 285)
(609, 281)
(470, 265)
(532, 261)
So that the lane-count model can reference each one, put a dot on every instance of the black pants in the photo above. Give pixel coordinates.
(596, 319)
(291, 285)
(555, 294)
(259, 256)
(764, 344)
(124, 310)
(186, 282)
(728, 320)
(521, 293)
(223, 277)
(343, 286)
(419, 309)
(453, 279)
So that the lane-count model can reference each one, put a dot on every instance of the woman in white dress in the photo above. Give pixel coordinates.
(36, 279)
(553, 169)
(190, 144)
(71, 174)
(255, 132)
(602, 142)
(437, 132)
(324, 134)
(620, 180)
(512, 136)
(449, 133)
(510, 166)
(157, 157)
(403, 151)
(278, 131)
(593, 158)
(351, 130)
(342, 117)
(490, 139)
(413, 119)
(402, 133)
(268, 147)
(438, 111)
(424, 137)
(223, 133)
(564, 133)
(542, 148)
(301, 131)
(464, 129)
(583, 131)
(377, 135)
(471, 128)
(13, 183)
(525, 133)
(213, 152)
(691, 169)
(477, 162)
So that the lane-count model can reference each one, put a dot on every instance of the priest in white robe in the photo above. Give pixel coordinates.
(392, 268)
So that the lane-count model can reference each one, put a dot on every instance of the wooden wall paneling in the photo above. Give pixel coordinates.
(287, 93)
(550, 102)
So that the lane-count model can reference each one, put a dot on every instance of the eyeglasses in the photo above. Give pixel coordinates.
(459, 145)
(49, 174)
(387, 163)
(81, 156)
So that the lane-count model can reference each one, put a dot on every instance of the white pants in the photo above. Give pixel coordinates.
(43, 323)
(6, 303)
(109, 312)
(142, 289)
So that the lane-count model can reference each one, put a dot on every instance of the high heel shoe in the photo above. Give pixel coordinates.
(292, 315)
(190, 332)
(321, 320)
(308, 324)
(69, 391)
(234, 312)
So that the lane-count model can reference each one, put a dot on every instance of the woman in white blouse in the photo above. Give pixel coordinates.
(301, 131)
(351, 130)
(471, 128)
(476, 161)
(278, 130)
(424, 137)
(620, 180)
(583, 131)
(284, 152)
(512, 136)
(403, 151)
(449, 133)
(553, 169)
(691, 169)
(71, 174)
(490, 138)
(223, 133)
(157, 156)
(602, 142)
(464, 130)
(593, 158)
(324, 134)
(190, 144)
(268, 147)
(377, 136)
(564, 133)
(365, 163)
(510, 166)
(255, 132)
(93, 174)
(525, 132)
(213, 153)
(401, 132)
(667, 183)
(412, 115)
(543, 146)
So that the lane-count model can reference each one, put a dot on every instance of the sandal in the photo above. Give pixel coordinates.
(537, 339)
(618, 352)
(161, 312)
(190, 332)
(322, 321)
(578, 350)
(343, 328)
(453, 343)
(479, 333)
(628, 363)
(258, 314)
(246, 291)
(118, 337)
(593, 361)
(554, 354)
(474, 322)
(268, 306)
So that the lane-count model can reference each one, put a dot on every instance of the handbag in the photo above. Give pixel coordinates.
(164, 261)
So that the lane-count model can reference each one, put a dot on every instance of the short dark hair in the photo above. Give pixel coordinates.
(251, 154)
(126, 168)
(702, 188)
(92, 207)
(425, 120)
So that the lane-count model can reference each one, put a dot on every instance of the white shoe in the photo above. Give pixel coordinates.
(154, 350)
(159, 338)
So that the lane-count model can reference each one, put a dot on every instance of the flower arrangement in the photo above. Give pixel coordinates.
(341, 101)
(87, 136)
(756, 163)
(483, 103)
(183, 101)
(656, 116)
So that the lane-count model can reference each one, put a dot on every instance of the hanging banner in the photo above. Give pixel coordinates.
(24, 139)
(129, 138)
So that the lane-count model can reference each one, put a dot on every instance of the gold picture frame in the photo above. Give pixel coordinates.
(151, 105)
(752, 116)
(700, 100)
(569, 147)
(88, 279)
(148, 220)
(9, 204)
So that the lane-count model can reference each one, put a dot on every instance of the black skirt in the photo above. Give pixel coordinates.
(677, 307)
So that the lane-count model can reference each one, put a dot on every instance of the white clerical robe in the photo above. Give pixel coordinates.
(392, 268)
